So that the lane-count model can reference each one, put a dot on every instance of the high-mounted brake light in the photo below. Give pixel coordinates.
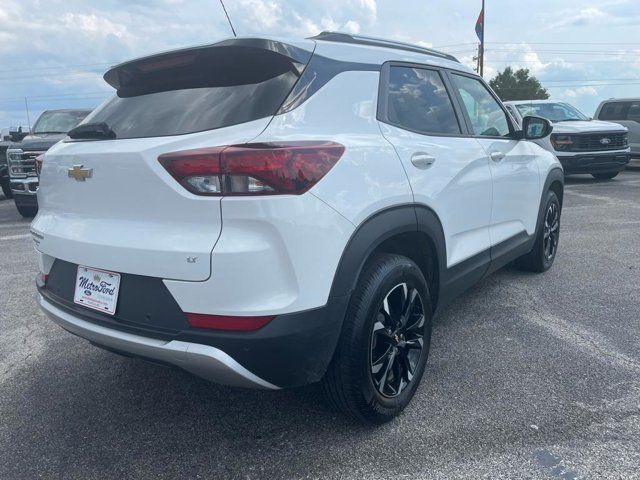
(253, 168)
(225, 322)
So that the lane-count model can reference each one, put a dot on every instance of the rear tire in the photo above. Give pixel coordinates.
(27, 211)
(605, 176)
(544, 250)
(383, 349)
(7, 191)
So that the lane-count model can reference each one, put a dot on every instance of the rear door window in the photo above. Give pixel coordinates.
(417, 100)
(197, 90)
(634, 112)
(614, 111)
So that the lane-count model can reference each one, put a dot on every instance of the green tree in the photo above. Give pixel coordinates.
(518, 85)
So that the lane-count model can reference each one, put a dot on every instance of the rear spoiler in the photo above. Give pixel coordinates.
(160, 71)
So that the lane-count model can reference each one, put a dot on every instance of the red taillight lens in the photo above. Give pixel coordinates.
(224, 322)
(254, 168)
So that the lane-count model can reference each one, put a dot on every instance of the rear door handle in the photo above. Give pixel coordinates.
(422, 160)
(496, 156)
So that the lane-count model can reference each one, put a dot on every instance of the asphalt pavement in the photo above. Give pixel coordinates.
(530, 376)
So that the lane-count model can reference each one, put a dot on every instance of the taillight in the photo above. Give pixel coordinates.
(253, 168)
(225, 322)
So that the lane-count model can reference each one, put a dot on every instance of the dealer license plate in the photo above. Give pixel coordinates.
(97, 289)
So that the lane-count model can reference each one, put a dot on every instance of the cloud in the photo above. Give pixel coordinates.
(581, 91)
(282, 17)
(609, 14)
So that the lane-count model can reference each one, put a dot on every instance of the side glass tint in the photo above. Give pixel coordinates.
(487, 117)
(418, 100)
(634, 112)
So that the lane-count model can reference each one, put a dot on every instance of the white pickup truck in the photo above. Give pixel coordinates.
(582, 145)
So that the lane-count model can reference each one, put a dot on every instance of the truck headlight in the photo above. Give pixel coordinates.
(561, 142)
(14, 155)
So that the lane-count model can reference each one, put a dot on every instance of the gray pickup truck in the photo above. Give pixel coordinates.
(51, 127)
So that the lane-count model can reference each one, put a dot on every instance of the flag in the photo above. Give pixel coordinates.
(480, 25)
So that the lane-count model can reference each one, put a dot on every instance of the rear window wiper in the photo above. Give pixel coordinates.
(95, 131)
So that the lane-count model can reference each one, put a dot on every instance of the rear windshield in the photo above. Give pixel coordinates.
(197, 90)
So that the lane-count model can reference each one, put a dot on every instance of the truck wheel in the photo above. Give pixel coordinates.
(27, 211)
(7, 191)
(384, 345)
(605, 176)
(544, 250)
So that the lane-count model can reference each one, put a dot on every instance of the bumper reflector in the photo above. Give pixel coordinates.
(224, 322)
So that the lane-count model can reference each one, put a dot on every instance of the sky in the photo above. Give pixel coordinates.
(54, 52)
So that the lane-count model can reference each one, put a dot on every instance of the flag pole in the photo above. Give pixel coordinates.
(482, 42)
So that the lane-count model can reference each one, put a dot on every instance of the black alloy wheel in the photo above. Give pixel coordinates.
(397, 340)
(384, 344)
(551, 231)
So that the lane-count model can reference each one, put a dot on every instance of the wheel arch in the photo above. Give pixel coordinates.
(411, 230)
(554, 183)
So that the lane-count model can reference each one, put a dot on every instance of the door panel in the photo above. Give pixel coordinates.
(513, 164)
(456, 185)
(516, 187)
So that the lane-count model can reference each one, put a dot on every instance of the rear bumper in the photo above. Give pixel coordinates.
(203, 360)
(292, 350)
(594, 162)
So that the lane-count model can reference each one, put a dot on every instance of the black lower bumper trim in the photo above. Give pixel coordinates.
(292, 350)
(595, 163)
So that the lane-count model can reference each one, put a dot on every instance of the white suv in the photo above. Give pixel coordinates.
(270, 213)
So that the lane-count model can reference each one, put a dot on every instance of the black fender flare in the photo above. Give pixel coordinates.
(379, 227)
(556, 174)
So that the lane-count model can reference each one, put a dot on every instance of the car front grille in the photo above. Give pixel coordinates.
(25, 165)
(596, 142)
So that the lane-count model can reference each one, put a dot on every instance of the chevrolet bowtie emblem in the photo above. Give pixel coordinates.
(79, 173)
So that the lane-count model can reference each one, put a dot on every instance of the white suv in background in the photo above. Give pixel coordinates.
(582, 145)
(272, 213)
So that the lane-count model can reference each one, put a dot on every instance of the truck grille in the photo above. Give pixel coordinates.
(595, 142)
(24, 165)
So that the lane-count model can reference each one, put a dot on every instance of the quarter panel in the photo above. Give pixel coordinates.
(275, 255)
(369, 177)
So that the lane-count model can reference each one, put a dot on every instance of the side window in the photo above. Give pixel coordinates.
(614, 111)
(418, 100)
(634, 112)
(487, 117)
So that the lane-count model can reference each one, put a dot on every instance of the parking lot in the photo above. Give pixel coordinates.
(530, 376)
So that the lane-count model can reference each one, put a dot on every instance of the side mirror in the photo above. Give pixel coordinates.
(535, 128)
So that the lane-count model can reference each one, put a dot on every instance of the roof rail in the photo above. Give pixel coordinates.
(380, 42)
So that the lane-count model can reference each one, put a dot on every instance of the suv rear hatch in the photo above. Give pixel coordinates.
(105, 199)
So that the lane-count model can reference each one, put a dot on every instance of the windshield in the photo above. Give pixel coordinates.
(59, 122)
(554, 112)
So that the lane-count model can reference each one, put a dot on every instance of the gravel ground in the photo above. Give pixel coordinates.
(530, 376)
